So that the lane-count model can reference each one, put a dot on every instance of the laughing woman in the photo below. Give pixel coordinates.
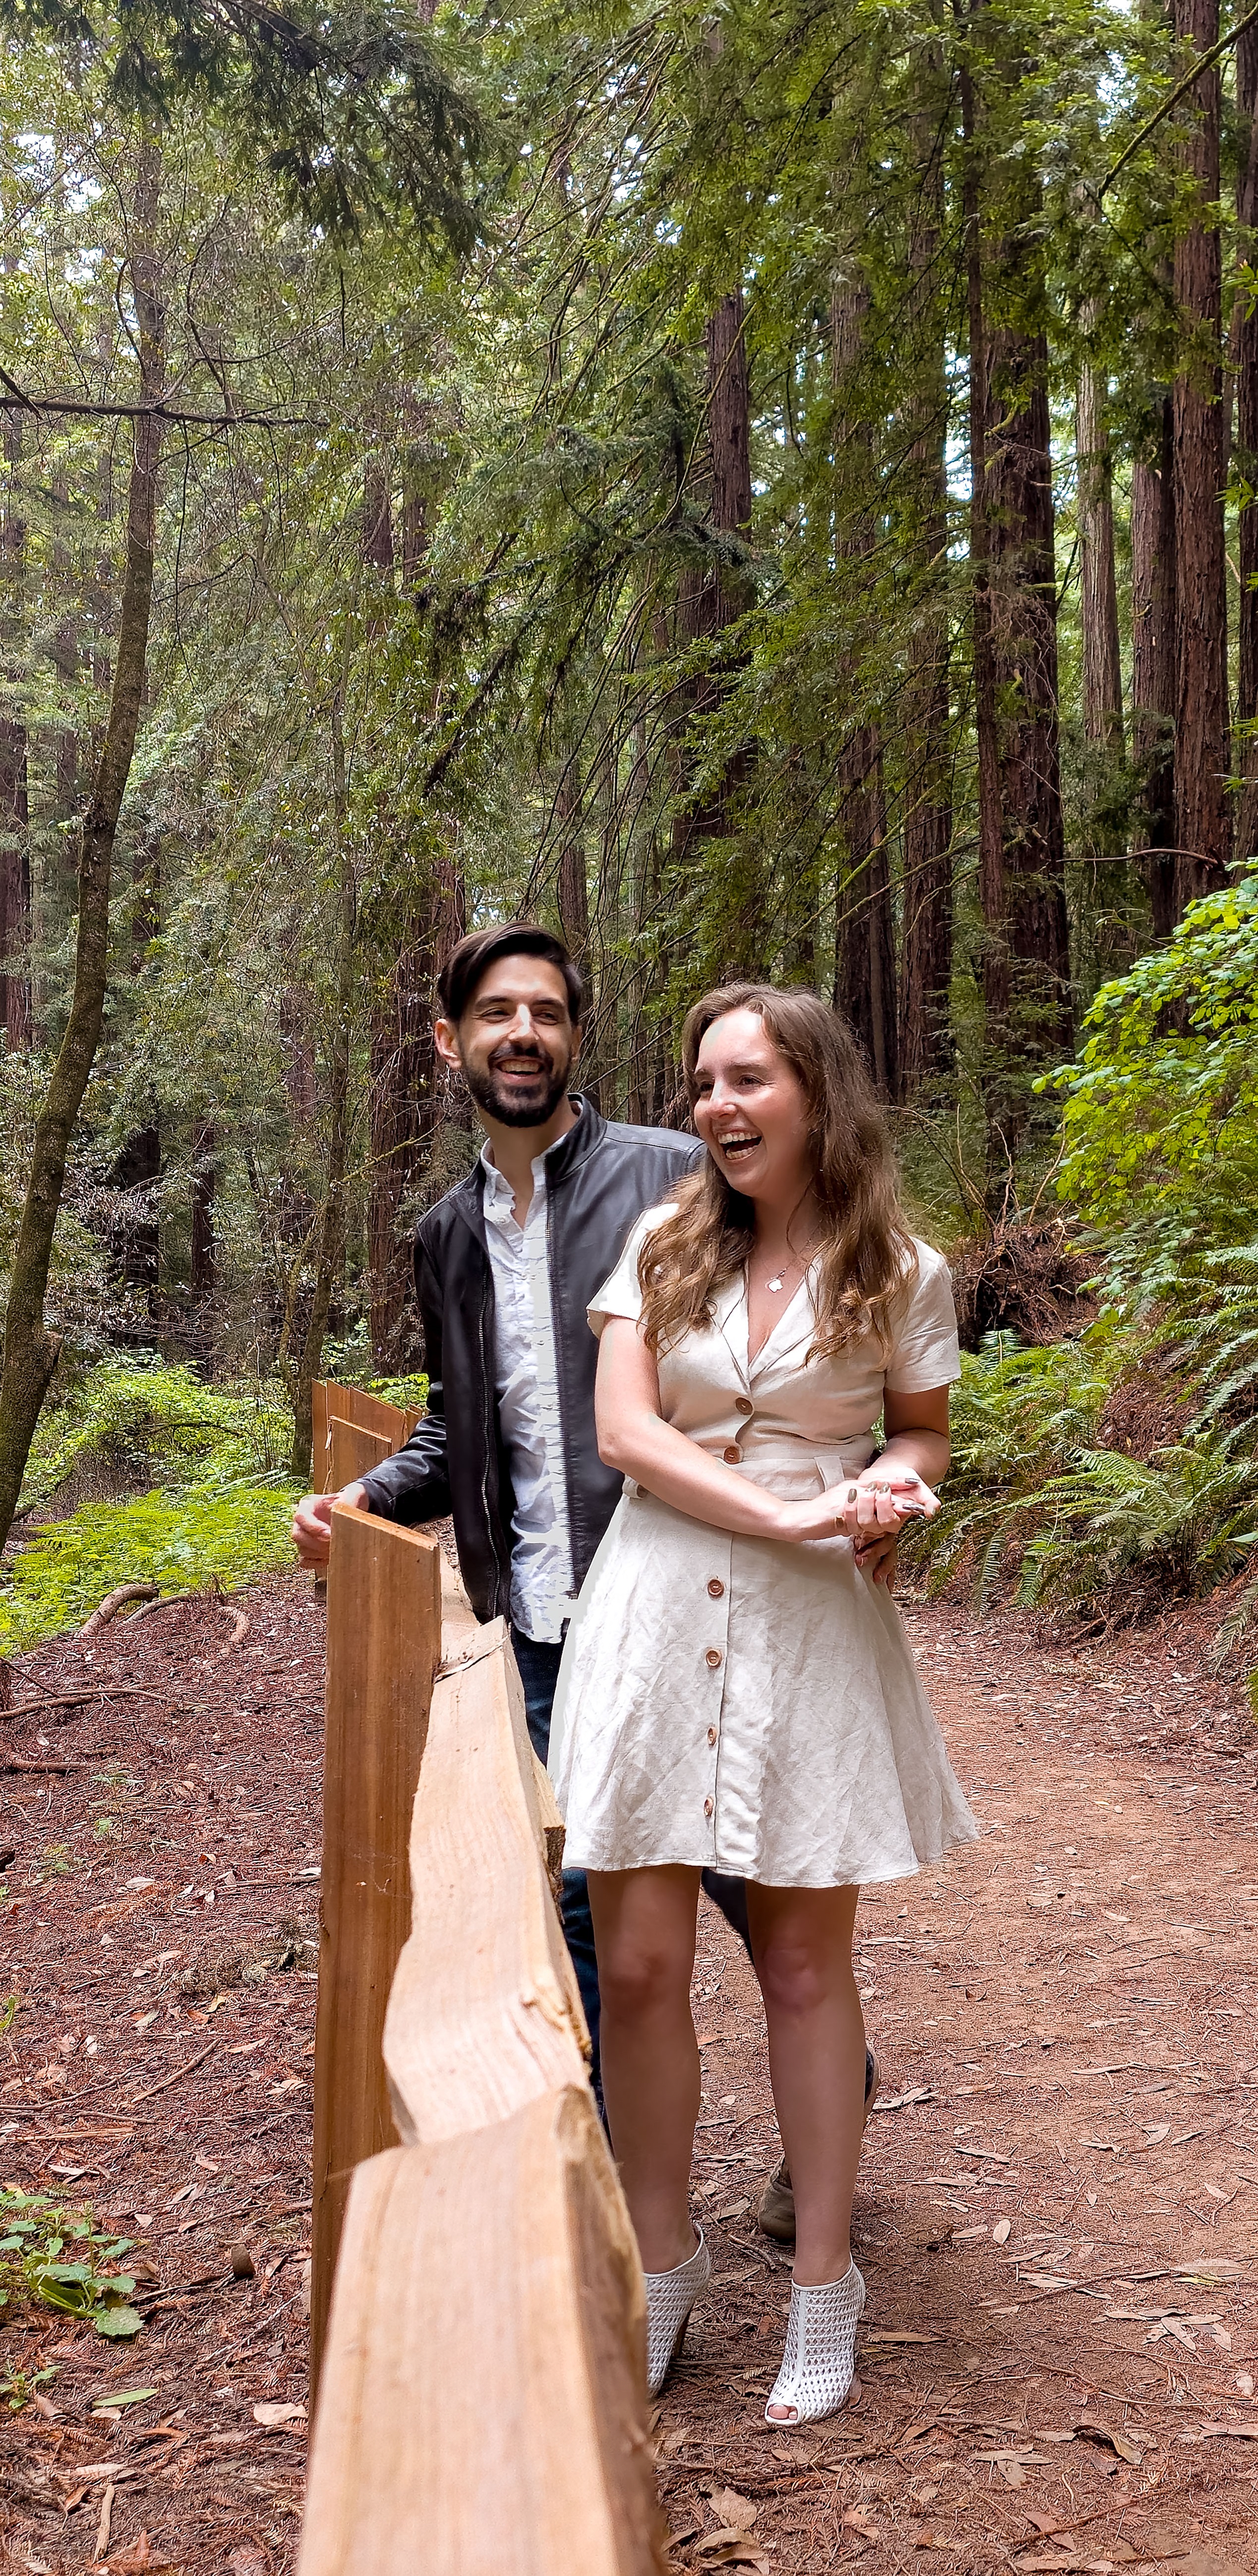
(737, 1692)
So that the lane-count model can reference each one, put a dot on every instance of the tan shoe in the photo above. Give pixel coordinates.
(776, 2212)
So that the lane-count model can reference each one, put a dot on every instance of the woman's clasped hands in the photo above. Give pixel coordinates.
(870, 1509)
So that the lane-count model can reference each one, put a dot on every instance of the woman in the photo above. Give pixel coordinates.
(737, 1692)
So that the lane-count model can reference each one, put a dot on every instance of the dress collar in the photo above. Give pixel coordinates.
(731, 1318)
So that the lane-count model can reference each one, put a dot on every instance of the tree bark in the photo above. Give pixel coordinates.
(864, 943)
(926, 937)
(1247, 457)
(327, 1235)
(408, 1093)
(204, 1264)
(711, 597)
(1203, 822)
(30, 1350)
(571, 890)
(1022, 878)
(15, 840)
(1153, 666)
(1102, 658)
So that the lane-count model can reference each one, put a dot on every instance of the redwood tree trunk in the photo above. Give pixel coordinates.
(864, 937)
(926, 937)
(1022, 877)
(15, 842)
(1153, 666)
(1247, 457)
(1102, 660)
(407, 1097)
(710, 598)
(1202, 821)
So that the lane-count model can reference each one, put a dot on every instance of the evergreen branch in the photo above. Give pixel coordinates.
(1172, 100)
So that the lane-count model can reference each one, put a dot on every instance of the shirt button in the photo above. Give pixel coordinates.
(716, 1587)
(707, 1806)
(733, 1456)
(711, 1735)
(713, 1659)
(743, 1404)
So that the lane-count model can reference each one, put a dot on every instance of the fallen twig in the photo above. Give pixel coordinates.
(76, 1699)
(16, 1763)
(186, 2069)
(112, 1604)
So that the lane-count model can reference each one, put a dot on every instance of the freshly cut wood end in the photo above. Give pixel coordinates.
(483, 2407)
(485, 2012)
(461, 1630)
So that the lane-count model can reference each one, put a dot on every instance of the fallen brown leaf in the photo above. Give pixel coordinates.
(733, 2511)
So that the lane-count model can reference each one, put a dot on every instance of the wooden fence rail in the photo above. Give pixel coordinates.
(479, 2360)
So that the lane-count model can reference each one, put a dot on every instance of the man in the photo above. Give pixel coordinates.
(505, 1266)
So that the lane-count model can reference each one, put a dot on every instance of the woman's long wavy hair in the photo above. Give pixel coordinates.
(866, 1252)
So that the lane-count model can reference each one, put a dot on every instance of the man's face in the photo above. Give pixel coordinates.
(515, 1042)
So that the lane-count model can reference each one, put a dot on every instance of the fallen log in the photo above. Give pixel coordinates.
(483, 2407)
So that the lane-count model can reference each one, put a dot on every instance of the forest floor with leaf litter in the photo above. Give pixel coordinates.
(1058, 2211)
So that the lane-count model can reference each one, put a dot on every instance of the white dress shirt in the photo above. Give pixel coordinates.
(526, 1378)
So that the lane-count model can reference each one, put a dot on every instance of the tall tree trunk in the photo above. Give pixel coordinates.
(1203, 822)
(30, 1350)
(1153, 666)
(1102, 658)
(327, 1238)
(926, 936)
(15, 839)
(204, 1264)
(864, 944)
(408, 1097)
(1021, 830)
(710, 598)
(138, 1168)
(571, 890)
(1247, 459)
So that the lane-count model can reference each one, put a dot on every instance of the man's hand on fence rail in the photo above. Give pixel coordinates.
(312, 1522)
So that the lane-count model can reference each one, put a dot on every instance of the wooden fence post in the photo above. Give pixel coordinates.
(353, 1451)
(384, 1644)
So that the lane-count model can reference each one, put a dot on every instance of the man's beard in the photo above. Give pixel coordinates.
(512, 1109)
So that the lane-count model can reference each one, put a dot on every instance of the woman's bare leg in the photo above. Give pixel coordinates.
(802, 1938)
(644, 1933)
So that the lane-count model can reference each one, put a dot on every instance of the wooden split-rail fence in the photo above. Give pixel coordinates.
(477, 2305)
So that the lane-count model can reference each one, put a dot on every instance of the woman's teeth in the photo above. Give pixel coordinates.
(739, 1144)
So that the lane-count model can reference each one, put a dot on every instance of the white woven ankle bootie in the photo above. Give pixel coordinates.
(670, 2296)
(820, 2354)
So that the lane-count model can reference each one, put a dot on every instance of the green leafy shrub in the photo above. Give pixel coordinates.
(178, 1540)
(1019, 1417)
(35, 2235)
(1160, 1123)
(1180, 1523)
(160, 1423)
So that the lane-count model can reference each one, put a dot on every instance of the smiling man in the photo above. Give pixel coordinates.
(505, 1266)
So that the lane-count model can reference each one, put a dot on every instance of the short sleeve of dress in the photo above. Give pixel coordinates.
(621, 1295)
(924, 1350)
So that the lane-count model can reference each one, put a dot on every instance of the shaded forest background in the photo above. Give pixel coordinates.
(768, 491)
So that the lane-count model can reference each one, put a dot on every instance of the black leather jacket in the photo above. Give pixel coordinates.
(599, 1178)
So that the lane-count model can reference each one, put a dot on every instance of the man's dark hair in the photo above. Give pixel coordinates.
(469, 963)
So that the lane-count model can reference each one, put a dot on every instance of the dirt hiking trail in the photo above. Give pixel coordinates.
(1058, 2212)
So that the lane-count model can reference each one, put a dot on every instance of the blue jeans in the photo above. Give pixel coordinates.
(539, 1672)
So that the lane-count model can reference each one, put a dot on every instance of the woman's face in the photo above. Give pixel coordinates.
(751, 1111)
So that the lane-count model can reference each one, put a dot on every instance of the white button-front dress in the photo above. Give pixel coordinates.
(752, 1704)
